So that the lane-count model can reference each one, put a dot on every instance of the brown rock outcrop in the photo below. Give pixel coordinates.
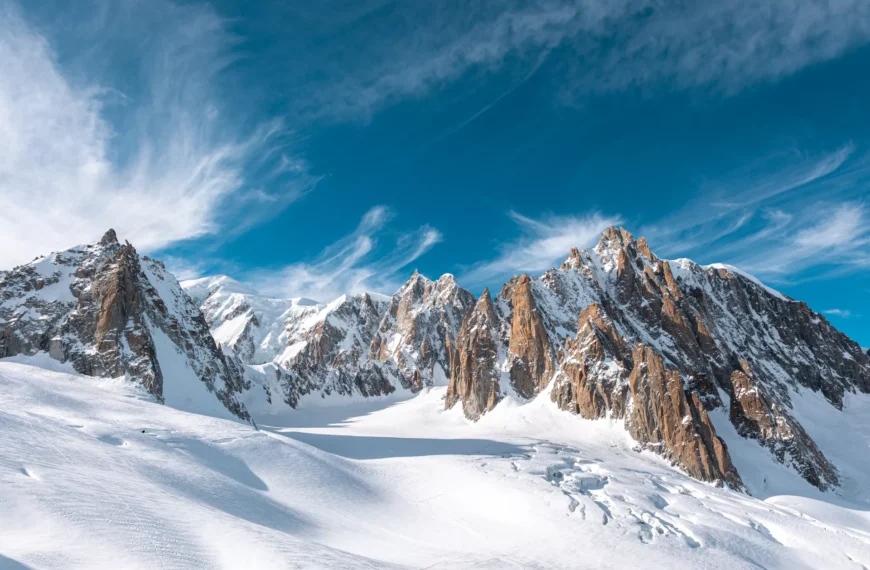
(474, 379)
(593, 377)
(334, 355)
(666, 418)
(100, 308)
(421, 320)
(757, 417)
(602, 376)
(531, 358)
(693, 322)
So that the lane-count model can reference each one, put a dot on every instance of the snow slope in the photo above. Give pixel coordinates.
(250, 324)
(95, 474)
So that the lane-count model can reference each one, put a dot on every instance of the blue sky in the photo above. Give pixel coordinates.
(313, 148)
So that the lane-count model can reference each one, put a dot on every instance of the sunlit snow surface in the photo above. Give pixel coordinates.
(93, 474)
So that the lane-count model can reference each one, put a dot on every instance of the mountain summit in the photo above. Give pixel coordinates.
(617, 332)
(107, 311)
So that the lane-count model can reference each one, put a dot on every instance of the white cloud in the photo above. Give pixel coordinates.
(833, 236)
(617, 44)
(778, 218)
(543, 243)
(170, 172)
(728, 45)
(358, 262)
(842, 227)
(725, 206)
(845, 313)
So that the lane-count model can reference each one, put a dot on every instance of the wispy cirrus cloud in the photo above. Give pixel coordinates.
(159, 163)
(728, 45)
(724, 206)
(844, 313)
(368, 259)
(542, 243)
(723, 46)
(789, 217)
(832, 237)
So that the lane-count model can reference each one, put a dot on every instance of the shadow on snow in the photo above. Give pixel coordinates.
(377, 447)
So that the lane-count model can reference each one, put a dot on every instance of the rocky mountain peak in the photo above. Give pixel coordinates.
(420, 324)
(109, 238)
(615, 247)
(578, 329)
(614, 238)
(474, 377)
(644, 250)
(414, 286)
(109, 312)
(531, 356)
(664, 415)
(666, 346)
(484, 307)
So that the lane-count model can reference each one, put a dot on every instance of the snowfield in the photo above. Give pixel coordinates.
(95, 474)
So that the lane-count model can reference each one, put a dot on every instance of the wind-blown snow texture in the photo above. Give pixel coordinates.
(95, 474)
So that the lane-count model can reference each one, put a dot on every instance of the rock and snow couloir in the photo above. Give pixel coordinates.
(667, 347)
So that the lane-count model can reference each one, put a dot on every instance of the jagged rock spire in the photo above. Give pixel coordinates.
(694, 324)
(615, 237)
(532, 357)
(420, 323)
(473, 374)
(109, 238)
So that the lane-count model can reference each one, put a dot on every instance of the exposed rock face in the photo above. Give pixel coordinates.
(112, 312)
(593, 380)
(294, 348)
(698, 325)
(331, 357)
(614, 332)
(530, 356)
(474, 377)
(109, 312)
(756, 416)
(420, 324)
(601, 376)
(367, 345)
(666, 417)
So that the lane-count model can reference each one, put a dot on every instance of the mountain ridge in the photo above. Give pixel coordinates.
(667, 347)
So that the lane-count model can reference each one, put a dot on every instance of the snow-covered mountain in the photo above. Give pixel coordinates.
(666, 346)
(417, 331)
(593, 407)
(692, 360)
(355, 346)
(109, 312)
(248, 324)
(617, 332)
